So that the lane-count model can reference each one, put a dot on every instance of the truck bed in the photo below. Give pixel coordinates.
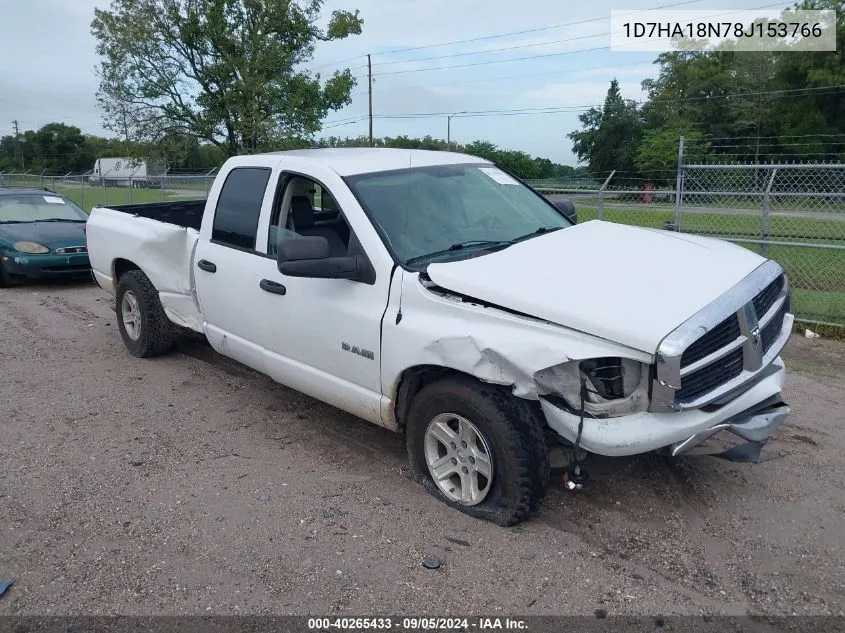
(159, 239)
(186, 213)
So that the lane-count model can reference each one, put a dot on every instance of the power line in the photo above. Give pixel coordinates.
(787, 136)
(520, 46)
(490, 37)
(492, 61)
(491, 50)
(529, 57)
(574, 108)
(502, 77)
(343, 122)
(534, 30)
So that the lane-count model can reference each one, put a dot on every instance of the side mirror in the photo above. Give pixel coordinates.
(309, 257)
(567, 207)
(297, 248)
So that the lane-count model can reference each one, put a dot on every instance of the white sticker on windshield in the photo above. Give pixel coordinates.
(53, 200)
(498, 175)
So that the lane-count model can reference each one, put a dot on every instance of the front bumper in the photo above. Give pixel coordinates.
(679, 430)
(755, 426)
(48, 265)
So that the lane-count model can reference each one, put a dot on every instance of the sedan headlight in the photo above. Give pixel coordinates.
(30, 247)
(610, 386)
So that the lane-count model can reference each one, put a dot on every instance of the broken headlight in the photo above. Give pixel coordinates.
(611, 378)
(609, 386)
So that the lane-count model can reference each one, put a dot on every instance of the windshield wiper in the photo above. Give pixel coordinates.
(459, 246)
(60, 220)
(540, 231)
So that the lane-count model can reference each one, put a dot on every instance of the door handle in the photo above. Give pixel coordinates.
(207, 266)
(272, 286)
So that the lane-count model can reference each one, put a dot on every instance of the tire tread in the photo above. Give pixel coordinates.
(524, 447)
(156, 330)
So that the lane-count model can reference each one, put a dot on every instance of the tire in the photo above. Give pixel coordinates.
(510, 433)
(137, 298)
(5, 277)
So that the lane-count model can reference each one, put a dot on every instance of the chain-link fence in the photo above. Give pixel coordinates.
(89, 191)
(794, 214)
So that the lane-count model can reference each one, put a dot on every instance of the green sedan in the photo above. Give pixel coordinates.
(42, 236)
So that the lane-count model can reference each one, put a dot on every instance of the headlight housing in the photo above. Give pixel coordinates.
(30, 247)
(613, 386)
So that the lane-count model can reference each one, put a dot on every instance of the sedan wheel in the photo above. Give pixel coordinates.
(458, 459)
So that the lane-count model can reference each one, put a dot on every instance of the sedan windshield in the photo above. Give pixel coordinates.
(452, 211)
(31, 207)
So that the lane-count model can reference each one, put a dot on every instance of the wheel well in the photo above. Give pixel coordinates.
(413, 380)
(123, 266)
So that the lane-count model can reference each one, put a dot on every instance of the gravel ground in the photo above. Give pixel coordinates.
(189, 484)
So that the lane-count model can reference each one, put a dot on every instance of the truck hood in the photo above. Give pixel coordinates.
(625, 284)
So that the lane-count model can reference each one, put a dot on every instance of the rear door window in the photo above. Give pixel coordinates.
(239, 207)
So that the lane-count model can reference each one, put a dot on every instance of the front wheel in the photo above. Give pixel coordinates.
(5, 277)
(144, 327)
(479, 449)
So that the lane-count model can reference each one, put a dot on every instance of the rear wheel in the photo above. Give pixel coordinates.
(144, 327)
(479, 449)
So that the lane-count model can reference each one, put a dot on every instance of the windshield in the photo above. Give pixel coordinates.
(459, 209)
(32, 207)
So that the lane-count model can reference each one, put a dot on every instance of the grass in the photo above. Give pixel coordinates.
(817, 275)
(90, 197)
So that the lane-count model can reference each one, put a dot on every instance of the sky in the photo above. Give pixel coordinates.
(49, 61)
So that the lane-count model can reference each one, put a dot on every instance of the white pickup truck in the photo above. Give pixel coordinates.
(435, 295)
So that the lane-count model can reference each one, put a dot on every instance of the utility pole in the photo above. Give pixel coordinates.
(370, 91)
(17, 143)
(449, 129)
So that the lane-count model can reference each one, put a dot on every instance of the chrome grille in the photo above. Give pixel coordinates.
(717, 338)
(67, 250)
(710, 376)
(770, 331)
(766, 299)
(744, 330)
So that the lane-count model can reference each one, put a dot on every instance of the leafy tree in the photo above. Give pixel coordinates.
(482, 149)
(657, 156)
(225, 71)
(518, 163)
(610, 135)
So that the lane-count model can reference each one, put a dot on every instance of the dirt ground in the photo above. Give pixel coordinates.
(189, 484)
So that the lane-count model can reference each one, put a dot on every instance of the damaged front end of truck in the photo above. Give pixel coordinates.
(720, 370)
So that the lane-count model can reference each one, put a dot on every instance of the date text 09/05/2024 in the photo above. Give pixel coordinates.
(416, 624)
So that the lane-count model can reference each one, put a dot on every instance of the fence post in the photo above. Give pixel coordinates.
(679, 185)
(766, 216)
(601, 195)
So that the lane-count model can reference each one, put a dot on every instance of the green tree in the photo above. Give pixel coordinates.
(225, 71)
(610, 135)
(657, 156)
(56, 148)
